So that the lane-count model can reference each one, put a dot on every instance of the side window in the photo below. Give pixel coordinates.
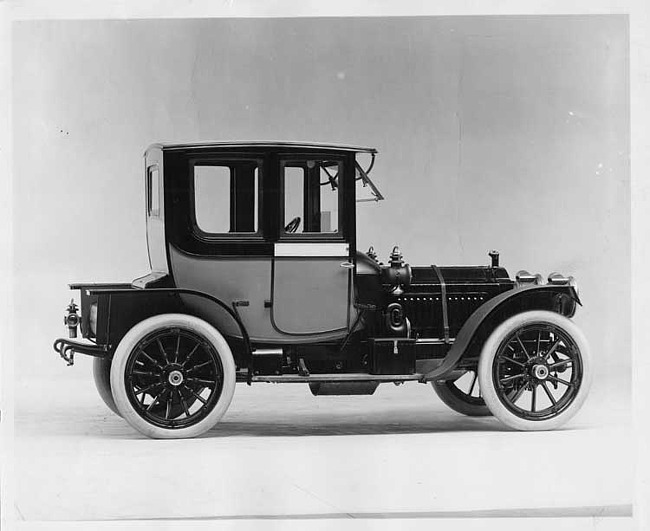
(311, 196)
(153, 191)
(226, 196)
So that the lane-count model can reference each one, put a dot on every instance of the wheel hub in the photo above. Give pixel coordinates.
(175, 378)
(540, 371)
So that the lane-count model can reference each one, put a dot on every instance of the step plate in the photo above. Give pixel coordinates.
(350, 377)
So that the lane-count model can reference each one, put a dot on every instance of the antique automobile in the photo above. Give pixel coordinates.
(256, 277)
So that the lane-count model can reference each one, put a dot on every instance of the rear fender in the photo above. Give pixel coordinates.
(127, 307)
(469, 341)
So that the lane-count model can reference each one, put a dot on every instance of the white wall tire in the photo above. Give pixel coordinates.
(172, 376)
(535, 371)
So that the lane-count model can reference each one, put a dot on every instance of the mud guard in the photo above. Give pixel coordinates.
(561, 299)
(231, 310)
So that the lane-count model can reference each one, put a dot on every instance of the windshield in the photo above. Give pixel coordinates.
(368, 191)
(362, 177)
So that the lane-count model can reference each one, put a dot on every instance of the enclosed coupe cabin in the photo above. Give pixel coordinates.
(270, 225)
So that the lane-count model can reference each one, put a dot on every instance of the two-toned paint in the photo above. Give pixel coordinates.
(294, 285)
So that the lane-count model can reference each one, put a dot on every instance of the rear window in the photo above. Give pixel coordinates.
(226, 196)
(153, 191)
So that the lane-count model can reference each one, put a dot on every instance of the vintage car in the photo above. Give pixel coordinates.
(256, 277)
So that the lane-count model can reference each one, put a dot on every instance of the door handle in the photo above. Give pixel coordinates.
(347, 265)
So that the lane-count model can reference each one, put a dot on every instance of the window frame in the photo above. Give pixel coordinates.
(339, 235)
(226, 161)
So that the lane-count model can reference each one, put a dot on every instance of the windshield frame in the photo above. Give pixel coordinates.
(366, 181)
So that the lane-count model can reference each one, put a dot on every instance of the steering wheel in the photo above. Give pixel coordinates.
(293, 225)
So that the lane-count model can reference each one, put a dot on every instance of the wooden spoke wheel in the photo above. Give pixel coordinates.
(173, 376)
(535, 371)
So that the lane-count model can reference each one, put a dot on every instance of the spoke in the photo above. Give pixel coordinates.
(559, 380)
(513, 377)
(202, 381)
(560, 364)
(533, 399)
(539, 340)
(146, 389)
(185, 408)
(155, 400)
(162, 351)
(471, 388)
(190, 354)
(151, 359)
(199, 366)
(144, 373)
(549, 394)
(168, 409)
(551, 351)
(178, 346)
(506, 358)
(517, 395)
(522, 347)
(199, 397)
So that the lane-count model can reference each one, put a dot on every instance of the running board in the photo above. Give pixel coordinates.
(350, 377)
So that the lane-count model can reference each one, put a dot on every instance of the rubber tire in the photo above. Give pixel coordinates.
(488, 353)
(102, 376)
(445, 394)
(124, 350)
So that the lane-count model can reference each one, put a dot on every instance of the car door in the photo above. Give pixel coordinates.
(312, 264)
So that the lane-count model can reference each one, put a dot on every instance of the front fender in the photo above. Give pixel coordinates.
(470, 339)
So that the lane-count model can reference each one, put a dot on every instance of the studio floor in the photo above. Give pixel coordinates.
(280, 452)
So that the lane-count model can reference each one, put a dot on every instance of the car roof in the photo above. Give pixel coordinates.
(262, 144)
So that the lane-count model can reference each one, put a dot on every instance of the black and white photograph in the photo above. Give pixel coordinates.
(276, 269)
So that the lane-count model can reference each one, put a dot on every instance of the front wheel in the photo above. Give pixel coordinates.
(173, 376)
(463, 395)
(535, 371)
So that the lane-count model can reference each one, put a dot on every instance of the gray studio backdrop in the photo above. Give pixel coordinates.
(508, 133)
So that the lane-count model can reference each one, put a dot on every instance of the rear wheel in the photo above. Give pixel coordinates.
(535, 371)
(463, 395)
(173, 376)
